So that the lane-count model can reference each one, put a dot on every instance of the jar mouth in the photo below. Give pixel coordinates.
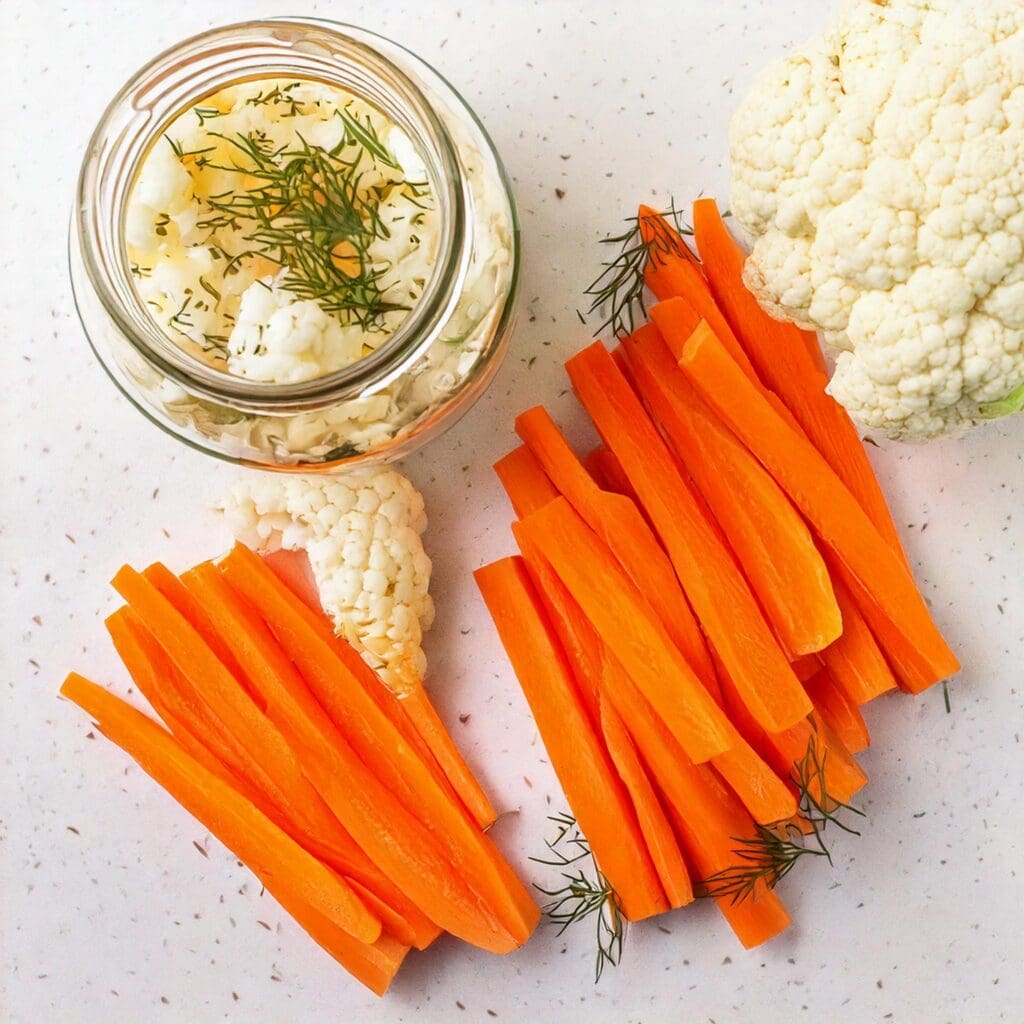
(188, 72)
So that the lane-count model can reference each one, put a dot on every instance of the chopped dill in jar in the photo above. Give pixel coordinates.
(281, 229)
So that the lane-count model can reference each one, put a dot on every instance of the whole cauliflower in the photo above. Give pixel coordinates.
(881, 173)
(363, 534)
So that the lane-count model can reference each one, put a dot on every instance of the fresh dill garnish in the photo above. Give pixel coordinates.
(619, 288)
(582, 895)
(945, 696)
(769, 855)
(312, 218)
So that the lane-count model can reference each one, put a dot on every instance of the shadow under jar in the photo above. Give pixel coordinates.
(439, 358)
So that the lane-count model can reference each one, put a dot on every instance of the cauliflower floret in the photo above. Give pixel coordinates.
(279, 338)
(879, 172)
(363, 534)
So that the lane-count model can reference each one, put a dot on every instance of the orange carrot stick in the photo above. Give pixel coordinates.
(428, 734)
(372, 964)
(709, 820)
(786, 363)
(770, 539)
(374, 740)
(627, 624)
(272, 855)
(201, 734)
(599, 801)
(842, 776)
(855, 661)
(411, 710)
(589, 659)
(370, 813)
(711, 580)
(527, 485)
(828, 506)
(654, 824)
(619, 523)
(673, 272)
(838, 712)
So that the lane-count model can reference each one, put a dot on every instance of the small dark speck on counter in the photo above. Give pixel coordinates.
(560, 193)
(459, 1005)
(464, 718)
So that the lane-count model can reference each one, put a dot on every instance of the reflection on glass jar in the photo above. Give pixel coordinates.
(249, 351)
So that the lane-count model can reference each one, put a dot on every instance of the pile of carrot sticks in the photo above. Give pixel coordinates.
(283, 743)
(701, 606)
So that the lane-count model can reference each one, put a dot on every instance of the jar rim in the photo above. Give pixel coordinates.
(101, 230)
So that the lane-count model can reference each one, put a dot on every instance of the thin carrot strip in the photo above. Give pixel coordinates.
(786, 363)
(589, 660)
(368, 811)
(839, 713)
(372, 964)
(159, 682)
(527, 485)
(830, 508)
(619, 523)
(654, 824)
(709, 820)
(410, 708)
(673, 272)
(271, 854)
(841, 778)
(855, 661)
(598, 799)
(375, 740)
(770, 539)
(627, 624)
(411, 711)
(717, 591)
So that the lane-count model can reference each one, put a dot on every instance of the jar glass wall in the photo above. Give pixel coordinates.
(379, 408)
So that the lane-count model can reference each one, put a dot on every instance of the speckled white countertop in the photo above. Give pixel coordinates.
(110, 913)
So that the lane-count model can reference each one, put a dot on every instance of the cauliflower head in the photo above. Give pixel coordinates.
(880, 173)
(363, 534)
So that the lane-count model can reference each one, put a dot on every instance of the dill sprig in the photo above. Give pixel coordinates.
(312, 217)
(769, 855)
(619, 289)
(582, 895)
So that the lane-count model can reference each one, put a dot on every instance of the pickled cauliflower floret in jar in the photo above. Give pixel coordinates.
(281, 230)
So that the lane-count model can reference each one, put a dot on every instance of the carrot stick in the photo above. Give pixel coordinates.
(374, 740)
(589, 659)
(787, 364)
(599, 801)
(673, 272)
(370, 813)
(709, 820)
(855, 661)
(829, 507)
(524, 480)
(838, 712)
(411, 711)
(654, 825)
(619, 523)
(272, 855)
(769, 537)
(607, 471)
(627, 624)
(842, 776)
(711, 580)
(372, 964)
(765, 795)
(159, 682)
(427, 732)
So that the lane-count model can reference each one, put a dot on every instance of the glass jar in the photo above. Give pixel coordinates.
(424, 377)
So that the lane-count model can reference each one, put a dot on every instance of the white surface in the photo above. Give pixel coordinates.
(108, 911)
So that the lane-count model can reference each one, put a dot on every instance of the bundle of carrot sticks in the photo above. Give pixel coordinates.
(367, 828)
(702, 605)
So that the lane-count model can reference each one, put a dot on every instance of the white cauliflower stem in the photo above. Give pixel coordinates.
(362, 533)
(880, 172)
